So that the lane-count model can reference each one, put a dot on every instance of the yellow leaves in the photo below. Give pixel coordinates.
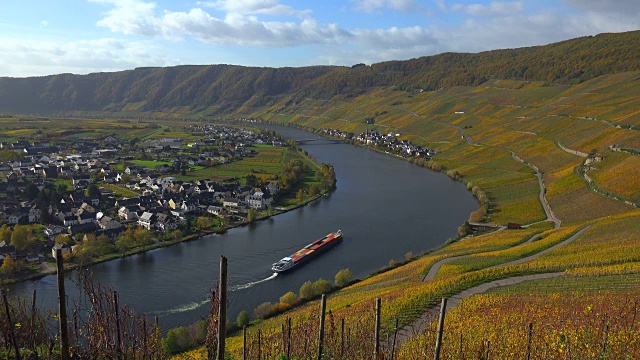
(562, 328)
(588, 309)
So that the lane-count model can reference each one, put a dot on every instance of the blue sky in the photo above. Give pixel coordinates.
(42, 37)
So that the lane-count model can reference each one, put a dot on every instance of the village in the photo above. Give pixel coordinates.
(91, 198)
(388, 143)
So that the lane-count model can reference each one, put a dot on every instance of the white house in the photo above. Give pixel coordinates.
(259, 200)
(147, 220)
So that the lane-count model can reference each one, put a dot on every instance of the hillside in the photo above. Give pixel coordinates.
(549, 135)
(498, 136)
(221, 89)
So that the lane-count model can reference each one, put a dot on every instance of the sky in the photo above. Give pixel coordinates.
(44, 37)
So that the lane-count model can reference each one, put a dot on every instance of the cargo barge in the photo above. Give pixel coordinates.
(308, 252)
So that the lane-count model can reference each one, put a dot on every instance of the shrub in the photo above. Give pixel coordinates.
(306, 290)
(263, 310)
(321, 286)
(177, 340)
(242, 319)
(289, 298)
(408, 256)
(343, 278)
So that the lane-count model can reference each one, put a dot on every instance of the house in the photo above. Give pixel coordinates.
(259, 200)
(273, 187)
(17, 217)
(216, 210)
(243, 191)
(128, 201)
(231, 202)
(128, 212)
(110, 178)
(50, 173)
(53, 230)
(147, 220)
(107, 223)
(80, 180)
(32, 259)
(86, 217)
(166, 222)
(132, 170)
(163, 169)
(85, 228)
(64, 248)
(34, 215)
(69, 220)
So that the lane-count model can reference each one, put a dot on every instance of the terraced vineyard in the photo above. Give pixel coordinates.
(594, 253)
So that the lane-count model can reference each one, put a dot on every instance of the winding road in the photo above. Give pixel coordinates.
(543, 200)
(420, 324)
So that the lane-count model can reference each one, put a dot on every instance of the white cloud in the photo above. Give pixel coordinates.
(629, 7)
(243, 24)
(139, 18)
(245, 7)
(399, 5)
(44, 23)
(130, 17)
(20, 57)
(493, 9)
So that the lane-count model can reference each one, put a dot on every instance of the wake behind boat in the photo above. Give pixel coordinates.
(308, 252)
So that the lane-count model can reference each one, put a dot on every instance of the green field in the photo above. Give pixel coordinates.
(151, 164)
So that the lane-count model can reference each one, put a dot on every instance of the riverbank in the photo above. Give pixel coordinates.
(136, 251)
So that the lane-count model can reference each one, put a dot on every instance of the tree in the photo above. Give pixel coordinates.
(143, 237)
(204, 222)
(31, 191)
(9, 267)
(321, 286)
(22, 238)
(242, 319)
(63, 239)
(251, 215)
(9, 155)
(314, 190)
(300, 195)
(289, 298)
(464, 229)
(251, 180)
(5, 234)
(176, 235)
(343, 278)
(408, 256)
(125, 241)
(93, 190)
(306, 290)
(263, 310)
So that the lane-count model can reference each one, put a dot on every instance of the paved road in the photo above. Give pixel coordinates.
(418, 325)
(543, 200)
(436, 267)
(455, 300)
(561, 244)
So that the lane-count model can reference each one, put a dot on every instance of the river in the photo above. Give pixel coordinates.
(385, 207)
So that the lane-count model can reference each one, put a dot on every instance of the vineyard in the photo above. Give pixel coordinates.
(536, 292)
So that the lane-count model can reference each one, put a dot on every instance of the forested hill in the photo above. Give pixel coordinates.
(225, 88)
